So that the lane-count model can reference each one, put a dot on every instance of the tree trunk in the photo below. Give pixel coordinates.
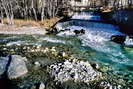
(42, 14)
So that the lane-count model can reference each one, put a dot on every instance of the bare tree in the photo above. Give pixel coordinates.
(1, 13)
(33, 9)
(53, 6)
(9, 6)
(42, 7)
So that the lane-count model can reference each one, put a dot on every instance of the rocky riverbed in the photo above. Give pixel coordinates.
(52, 67)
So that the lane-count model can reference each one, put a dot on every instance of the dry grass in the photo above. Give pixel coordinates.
(47, 23)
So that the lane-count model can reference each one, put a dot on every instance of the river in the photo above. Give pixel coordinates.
(94, 45)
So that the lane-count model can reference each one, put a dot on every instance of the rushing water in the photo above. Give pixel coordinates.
(94, 45)
(97, 38)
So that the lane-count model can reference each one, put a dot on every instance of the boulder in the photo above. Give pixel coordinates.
(82, 31)
(129, 41)
(52, 31)
(67, 29)
(13, 66)
(118, 38)
(17, 67)
(79, 32)
(42, 86)
(38, 86)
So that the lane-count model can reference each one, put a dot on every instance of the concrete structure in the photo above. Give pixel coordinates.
(83, 4)
(79, 3)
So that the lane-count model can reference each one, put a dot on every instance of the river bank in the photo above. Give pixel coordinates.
(28, 27)
(29, 30)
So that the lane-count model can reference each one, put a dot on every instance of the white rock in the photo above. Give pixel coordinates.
(24, 47)
(17, 67)
(4, 48)
(28, 48)
(64, 54)
(46, 49)
(37, 64)
(39, 46)
(42, 86)
(53, 49)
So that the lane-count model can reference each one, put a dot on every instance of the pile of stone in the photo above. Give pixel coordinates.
(76, 70)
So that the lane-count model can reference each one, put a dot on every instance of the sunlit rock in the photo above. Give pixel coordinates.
(42, 86)
(14, 66)
(46, 49)
(106, 85)
(37, 64)
(129, 41)
(95, 65)
(53, 49)
(39, 46)
(24, 47)
(17, 67)
(28, 48)
(4, 48)
(64, 54)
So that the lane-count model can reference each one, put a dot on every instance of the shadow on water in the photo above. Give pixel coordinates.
(126, 29)
(122, 18)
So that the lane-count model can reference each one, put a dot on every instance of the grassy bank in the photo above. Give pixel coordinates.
(47, 23)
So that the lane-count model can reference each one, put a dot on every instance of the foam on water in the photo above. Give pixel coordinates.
(15, 43)
(97, 37)
(86, 16)
(93, 29)
(105, 29)
(101, 44)
(96, 34)
(129, 41)
(53, 40)
(66, 33)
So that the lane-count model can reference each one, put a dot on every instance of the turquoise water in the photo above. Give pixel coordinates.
(96, 43)
(116, 56)
(114, 60)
